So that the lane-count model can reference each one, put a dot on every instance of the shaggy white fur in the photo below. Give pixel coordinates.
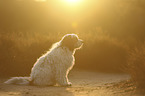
(53, 67)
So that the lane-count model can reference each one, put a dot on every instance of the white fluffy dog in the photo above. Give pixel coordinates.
(53, 67)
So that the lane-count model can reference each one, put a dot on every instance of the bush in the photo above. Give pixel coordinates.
(136, 67)
(101, 53)
(7, 54)
(20, 50)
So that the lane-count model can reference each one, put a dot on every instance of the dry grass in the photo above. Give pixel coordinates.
(101, 53)
(19, 51)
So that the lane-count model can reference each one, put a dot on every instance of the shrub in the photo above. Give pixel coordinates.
(136, 66)
(20, 50)
(101, 53)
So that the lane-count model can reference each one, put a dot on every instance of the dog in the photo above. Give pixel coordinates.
(53, 67)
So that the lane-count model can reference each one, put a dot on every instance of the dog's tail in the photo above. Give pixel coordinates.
(18, 80)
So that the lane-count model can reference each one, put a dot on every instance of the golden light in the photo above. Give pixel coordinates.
(73, 2)
(74, 24)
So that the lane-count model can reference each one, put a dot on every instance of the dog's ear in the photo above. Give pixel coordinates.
(69, 41)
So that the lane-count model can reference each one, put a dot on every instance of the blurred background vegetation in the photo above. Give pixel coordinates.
(109, 28)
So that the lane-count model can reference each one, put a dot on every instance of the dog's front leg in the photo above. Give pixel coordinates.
(61, 78)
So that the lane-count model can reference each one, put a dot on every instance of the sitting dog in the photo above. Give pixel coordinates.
(53, 67)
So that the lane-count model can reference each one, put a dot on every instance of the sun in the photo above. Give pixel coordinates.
(73, 1)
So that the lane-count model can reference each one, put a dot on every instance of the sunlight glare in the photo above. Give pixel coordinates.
(73, 1)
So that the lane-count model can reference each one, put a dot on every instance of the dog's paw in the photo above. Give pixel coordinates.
(66, 85)
(69, 84)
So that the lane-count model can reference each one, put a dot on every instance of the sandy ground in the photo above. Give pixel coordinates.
(84, 83)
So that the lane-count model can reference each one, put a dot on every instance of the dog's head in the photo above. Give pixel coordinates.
(71, 41)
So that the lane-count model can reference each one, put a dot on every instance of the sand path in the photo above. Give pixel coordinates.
(84, 84)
